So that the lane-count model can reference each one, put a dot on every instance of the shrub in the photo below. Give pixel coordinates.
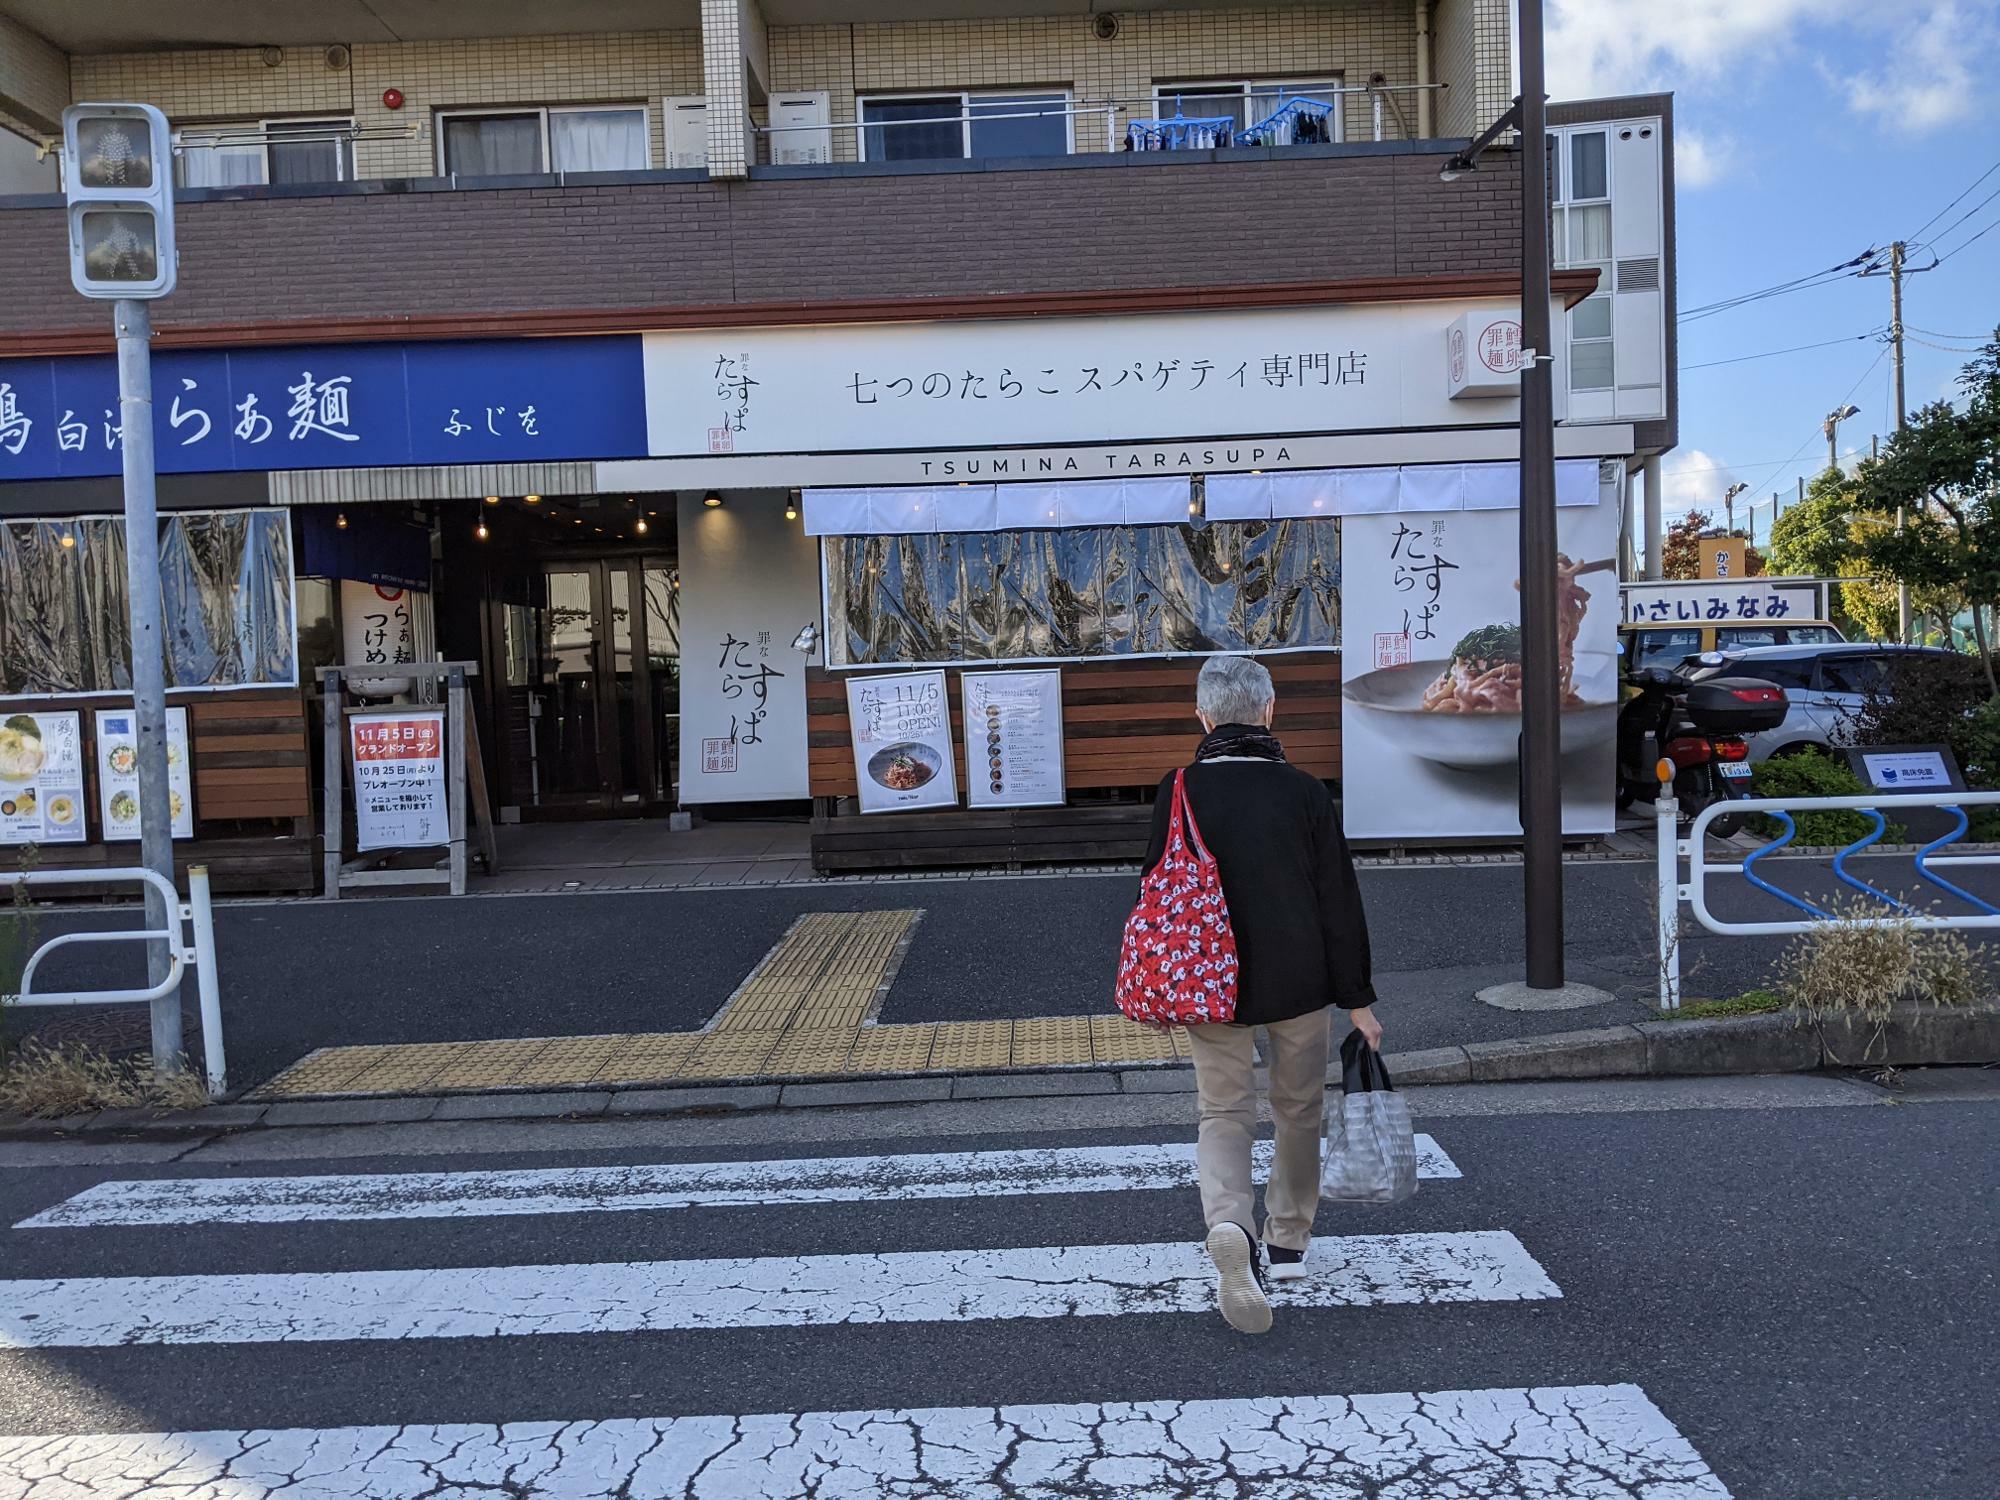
(51, 1082)
(18, 931)
(1934, 700)
(1868, 959)
(1810, 775)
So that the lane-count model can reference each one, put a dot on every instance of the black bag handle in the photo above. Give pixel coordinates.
(1362, 1070)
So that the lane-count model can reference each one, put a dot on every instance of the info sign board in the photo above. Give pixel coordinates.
(901, 728)
(118, 773)
(41, 779)
(1014, 739)
(1717, 603)
(1907, 768)
(399, 800)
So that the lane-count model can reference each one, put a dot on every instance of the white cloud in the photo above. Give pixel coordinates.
(1691, 479)
(1934, 57)
(1701, 159)
(1926, 81)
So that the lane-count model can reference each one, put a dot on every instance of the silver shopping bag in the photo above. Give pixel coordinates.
(1371, 1152)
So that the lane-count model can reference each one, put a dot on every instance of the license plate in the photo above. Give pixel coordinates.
(1735, 770)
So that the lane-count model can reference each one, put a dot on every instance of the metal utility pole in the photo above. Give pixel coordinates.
(1896, 252)
(1541, 725)
(133, 322)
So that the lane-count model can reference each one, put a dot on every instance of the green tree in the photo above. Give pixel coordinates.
(1944, 468)
(1824, 537)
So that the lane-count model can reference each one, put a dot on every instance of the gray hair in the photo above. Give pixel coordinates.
(1233, 690)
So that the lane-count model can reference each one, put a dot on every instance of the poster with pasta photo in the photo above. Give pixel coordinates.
(1431, 671)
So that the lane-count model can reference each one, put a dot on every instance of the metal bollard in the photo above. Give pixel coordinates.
(1666, 826)
(202, 916)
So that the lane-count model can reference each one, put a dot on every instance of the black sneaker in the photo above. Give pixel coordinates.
(1239, 1279)
(1286, 1265)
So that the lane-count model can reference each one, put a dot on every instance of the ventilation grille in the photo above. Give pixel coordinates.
(1639, 275)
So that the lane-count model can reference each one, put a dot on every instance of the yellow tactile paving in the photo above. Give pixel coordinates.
(489, 1064)
(1181, 1047)
(891, 1049)
(738, 1054)
(960, 1045)
(1113, 1039)
(810, 1052)
(568, 1060)
(1052, 1042)
(406, 1069)
(648, 1057)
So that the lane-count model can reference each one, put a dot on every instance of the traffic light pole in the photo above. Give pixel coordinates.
(134, 323)
(1541, 725)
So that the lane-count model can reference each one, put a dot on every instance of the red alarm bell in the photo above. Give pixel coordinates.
(392, 98)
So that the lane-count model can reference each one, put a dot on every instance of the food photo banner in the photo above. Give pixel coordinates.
(901, 728)
(41, 779)
(1431, 671)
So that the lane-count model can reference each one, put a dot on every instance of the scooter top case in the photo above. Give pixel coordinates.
(1735, 705)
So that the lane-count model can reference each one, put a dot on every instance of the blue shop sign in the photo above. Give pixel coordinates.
(329, 406)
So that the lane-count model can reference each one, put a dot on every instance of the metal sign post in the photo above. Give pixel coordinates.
(118, 177)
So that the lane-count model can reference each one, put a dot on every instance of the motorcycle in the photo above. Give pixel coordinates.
(1698, 728)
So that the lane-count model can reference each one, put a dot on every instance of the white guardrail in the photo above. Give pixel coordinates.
(1674, 891)
(194, 949)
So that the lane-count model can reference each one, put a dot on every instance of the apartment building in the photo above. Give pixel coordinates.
(675, 368)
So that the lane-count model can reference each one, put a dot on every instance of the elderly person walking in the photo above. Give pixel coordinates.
(1302, 947)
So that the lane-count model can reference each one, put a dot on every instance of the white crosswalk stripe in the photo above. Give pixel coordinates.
(1549, 1442)
(549, 1190)
(922, 1286)
(1564, 1441)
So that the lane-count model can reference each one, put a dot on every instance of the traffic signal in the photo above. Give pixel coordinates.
(119, 177)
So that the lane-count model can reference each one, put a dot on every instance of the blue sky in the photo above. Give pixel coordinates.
(1809, 131)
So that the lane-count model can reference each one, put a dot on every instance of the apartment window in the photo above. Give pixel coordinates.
(965, 126)
(1582, 240)
(1248, 102)
(517, 142)
(265, 151)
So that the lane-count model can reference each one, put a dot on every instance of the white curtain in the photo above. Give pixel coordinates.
(493, 145)
(222, 166)
(599, 140)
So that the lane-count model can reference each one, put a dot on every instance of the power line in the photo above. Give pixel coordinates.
(1956, 201)
(1963, 243)
(1797, 284)
(1946, 231)
(1817, 433)
(1774, 353)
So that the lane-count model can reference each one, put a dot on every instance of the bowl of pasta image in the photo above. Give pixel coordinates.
(1464, 711)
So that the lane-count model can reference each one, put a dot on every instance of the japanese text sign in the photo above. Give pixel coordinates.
(1716, 603)
(901, 729)
(399, 798)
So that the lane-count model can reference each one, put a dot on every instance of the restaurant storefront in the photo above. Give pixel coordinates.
(677, 558)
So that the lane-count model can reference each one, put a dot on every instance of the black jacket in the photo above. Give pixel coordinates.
(1294, 904)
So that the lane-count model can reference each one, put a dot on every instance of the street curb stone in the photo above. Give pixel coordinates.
(383, 1111)
(693, 1101)
(1772, 1043)
(1608, 1052)
(1029, 1085)
(1429, 1065)
(870, 1091)
(521, 1106)
(1158, 1081)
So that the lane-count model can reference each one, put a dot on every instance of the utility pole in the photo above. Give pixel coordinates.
(1896, 252)
(1541, 725)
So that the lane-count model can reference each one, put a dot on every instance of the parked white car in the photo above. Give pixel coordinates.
(1826, 687)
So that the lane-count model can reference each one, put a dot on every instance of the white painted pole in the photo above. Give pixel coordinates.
(1666, 815)
(207, 983)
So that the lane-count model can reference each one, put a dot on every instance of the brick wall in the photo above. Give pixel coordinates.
(1142, 223)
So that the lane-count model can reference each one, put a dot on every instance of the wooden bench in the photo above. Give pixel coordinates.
(1126, 725)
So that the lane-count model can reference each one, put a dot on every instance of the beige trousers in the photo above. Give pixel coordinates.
(1225, 1061)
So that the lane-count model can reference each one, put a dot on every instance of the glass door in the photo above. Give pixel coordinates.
(574, 713)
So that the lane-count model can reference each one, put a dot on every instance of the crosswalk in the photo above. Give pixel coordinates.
(379, 1269)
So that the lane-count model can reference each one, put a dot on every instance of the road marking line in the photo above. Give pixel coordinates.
(928, 1286)
(1551, 1443)
(731, 1184)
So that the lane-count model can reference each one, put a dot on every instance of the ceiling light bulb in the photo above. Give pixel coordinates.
(480, 531)
(341, 520)
(531, 499)
(711, 500)
(492, 499)
(69, 539)
(641, 527)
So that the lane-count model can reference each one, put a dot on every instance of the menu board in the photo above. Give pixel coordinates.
(399, 798)
(118, 773)
(41, 779)
(1014, 739)
(901, 728)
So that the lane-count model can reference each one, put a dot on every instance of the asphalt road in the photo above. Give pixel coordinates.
(306, 974)
(1804, 1291)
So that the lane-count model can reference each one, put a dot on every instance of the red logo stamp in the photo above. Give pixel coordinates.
(1392, 648)
(1500, 347)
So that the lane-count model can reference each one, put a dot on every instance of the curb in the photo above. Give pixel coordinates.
(1913, 1036)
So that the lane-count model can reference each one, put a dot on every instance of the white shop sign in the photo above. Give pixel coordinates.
(987, 383)
(1013, 739)
(118, 773)
(41, 779)
(399, 800)
(901, 729)
(1719, 602)
(1483, 355)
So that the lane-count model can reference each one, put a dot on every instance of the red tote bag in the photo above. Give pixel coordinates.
(1177, 966)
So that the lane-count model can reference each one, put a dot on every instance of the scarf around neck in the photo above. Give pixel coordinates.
(1240, 741)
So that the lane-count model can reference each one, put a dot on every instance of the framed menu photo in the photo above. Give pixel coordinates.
(41, 779)
(1014, 739)
(118, 773)
(901, 729)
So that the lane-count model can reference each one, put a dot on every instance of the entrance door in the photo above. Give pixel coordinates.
(603, 685)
